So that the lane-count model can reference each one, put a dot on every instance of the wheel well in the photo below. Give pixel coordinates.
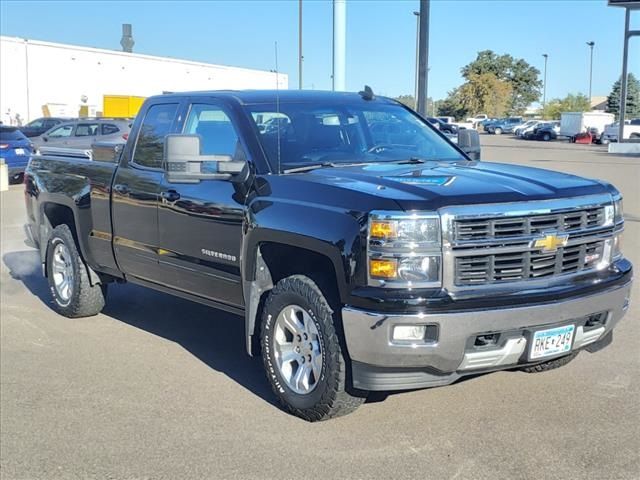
(59, 215)
(56, 215)
(286, 260)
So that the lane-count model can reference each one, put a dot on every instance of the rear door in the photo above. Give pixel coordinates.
(135, 192)
(200, 224)
(84, 135)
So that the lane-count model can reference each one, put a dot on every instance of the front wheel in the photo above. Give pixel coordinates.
(301, 351)
(72, 292)
(498, 131)
(546, 137)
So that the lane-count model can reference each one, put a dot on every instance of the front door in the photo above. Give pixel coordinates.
(200, 224)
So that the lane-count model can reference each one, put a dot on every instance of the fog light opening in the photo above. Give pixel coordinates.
(409, 333)
(486, 340)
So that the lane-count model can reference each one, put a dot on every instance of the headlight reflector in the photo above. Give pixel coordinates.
(618, 210)
(404, 249)
(383, 268)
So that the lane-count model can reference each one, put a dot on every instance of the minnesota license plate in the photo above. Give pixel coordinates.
(19, 151)
(553, 341)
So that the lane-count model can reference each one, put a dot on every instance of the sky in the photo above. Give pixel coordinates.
(381, 37)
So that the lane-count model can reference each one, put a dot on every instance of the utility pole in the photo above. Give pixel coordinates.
(591, 44)
(339, 44)
(423, 57)
(544, 84)
(300, 44)
(415, 87)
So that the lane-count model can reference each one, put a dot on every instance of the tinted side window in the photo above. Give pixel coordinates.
(108, 129)
(215, 127)
(157, 123)
(87, 130)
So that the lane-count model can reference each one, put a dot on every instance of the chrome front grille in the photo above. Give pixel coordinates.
(479, 269)
(501, 247)
(496, 228)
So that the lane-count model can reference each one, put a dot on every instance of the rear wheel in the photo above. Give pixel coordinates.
(301, 351)
(72, 292)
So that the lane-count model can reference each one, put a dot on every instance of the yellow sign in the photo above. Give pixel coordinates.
(551, 242)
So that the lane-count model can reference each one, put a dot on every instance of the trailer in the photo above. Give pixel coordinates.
(573, 123)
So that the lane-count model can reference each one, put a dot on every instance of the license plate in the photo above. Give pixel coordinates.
(19, 151)
(553, 341)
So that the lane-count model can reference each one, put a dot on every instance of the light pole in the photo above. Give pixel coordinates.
(591, 44)
(544, 84)
(300, 44)
(415, 90)
(423, 57)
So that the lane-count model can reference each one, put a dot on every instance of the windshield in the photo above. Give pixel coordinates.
(312, 133)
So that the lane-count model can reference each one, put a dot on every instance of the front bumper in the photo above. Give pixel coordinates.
(380, 364)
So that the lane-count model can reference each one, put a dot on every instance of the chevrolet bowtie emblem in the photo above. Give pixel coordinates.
(551, 242)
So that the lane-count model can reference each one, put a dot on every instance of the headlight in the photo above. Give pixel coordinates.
(618, 213)
(404, 250)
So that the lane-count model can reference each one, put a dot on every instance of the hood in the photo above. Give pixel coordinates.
(434, 185)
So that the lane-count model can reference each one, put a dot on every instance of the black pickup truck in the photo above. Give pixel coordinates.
(363, 249)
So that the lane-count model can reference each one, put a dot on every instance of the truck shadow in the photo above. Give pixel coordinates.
(214, 337)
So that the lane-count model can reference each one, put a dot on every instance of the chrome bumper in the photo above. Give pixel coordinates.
(370, 342)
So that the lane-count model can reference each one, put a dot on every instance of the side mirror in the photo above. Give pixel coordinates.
(45, 138)
(186, 164)
(469, 142)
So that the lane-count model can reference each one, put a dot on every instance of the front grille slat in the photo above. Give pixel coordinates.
(478, 268)
(499, 228)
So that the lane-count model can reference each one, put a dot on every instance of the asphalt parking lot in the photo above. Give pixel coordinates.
(157, 387)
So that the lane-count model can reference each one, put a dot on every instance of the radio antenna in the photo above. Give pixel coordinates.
(277, 107)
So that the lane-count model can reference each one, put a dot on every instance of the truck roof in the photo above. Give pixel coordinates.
(248, 97)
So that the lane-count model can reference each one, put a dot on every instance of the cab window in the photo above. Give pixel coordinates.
(218, 135)
(156, 125)
(87, 130)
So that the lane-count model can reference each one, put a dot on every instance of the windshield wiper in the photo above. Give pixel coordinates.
(306, 168)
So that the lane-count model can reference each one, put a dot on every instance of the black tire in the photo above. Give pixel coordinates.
(84, 299)
(546, 137)
(329, 398)
(551, 364)
(604, 141)
(498, 131)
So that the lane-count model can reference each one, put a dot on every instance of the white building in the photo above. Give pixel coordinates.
(35, 74)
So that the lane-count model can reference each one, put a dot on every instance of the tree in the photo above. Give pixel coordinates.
(633, 97)
(485, 93)
(452, 106)
(522, 77)
(571, 103)
(410, 102)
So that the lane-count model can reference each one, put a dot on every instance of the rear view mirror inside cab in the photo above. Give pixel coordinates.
(186, 164)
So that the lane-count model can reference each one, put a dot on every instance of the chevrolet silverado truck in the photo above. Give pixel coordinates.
(363, 250)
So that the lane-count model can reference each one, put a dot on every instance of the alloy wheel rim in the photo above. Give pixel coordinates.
(298, 350)
(62, 272)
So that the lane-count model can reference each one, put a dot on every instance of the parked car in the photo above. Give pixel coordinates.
(485, 124)
(477, 119)
(546, 131)
(443, 126)
(610, 133)
(360, 258)
(506, 125)
(82, 133)
(447, 119)
(519, 129)
(15, 150)
(41, 125)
